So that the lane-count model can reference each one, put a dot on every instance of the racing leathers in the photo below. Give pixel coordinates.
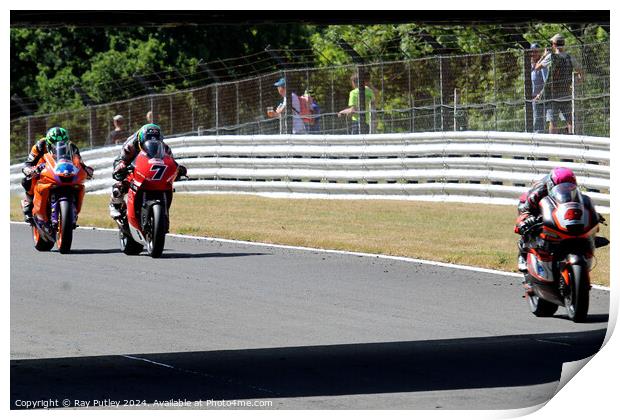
(31, 172)
(529, 210)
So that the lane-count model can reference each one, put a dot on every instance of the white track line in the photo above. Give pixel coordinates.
(336, 251)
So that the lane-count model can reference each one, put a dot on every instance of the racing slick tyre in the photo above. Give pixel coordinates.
(157, 236)
(577, 301)
(65, 227)
(40, 244)
(128, 245)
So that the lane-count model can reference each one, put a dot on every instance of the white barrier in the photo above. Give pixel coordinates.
(489, 167)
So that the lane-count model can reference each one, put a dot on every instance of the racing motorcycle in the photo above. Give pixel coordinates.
(149, 189)
(58, 196)
(561, 253)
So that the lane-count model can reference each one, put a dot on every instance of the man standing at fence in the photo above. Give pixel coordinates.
(557, 89)
(298, 124)
(119, 134)
(538, 81)
(353, 106)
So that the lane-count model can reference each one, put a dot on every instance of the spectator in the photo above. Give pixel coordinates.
(556, 90)
(150, 117)
(538, 81)
(119, 134)
(353, 104)
(311, 117)
(298, 124)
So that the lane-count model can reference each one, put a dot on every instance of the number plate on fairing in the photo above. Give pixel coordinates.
(571, 214)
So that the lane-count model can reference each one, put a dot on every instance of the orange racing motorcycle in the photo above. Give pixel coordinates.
(58, 195)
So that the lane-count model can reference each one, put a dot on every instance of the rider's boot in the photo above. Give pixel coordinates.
(522, 259)
(116, 201)
(27, 209)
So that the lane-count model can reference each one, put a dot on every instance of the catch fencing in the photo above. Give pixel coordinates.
(480, 167)
(482, 92)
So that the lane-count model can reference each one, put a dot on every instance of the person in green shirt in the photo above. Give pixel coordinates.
(353, 106)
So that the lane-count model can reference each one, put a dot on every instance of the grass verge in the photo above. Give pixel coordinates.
(450, 232)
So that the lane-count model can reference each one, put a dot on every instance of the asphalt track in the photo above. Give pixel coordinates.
(303, 329)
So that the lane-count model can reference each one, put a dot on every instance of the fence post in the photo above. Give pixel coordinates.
(495, 88)
(217, 110)
(441, 90)
(572, 101)
(29, 140)
(237, 101)
(129, 116)
(193, 102)
(260, 103)
(361, 100)
(411, 123)
(454, 111)
(171, 129)
(90, 125)
(527, 80)
(333, 104)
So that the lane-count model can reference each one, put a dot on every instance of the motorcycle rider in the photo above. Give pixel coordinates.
(529, 209)
(31, 172)
(129, 151)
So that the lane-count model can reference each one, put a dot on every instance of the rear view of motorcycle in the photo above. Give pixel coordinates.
(561, 253)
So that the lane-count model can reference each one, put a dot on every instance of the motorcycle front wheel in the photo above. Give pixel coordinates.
(65, 227)
(157, 236)
(577, 301)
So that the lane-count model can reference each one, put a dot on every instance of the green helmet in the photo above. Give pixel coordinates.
(149, 132)
(55, 135)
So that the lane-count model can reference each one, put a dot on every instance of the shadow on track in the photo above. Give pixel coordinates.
(209, 254)
(346, 369)
(591, 319)
(94, 251)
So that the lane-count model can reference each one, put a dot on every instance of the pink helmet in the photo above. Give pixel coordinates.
(560, 175)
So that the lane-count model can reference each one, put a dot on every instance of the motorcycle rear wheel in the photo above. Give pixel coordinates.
(40, 244)
(541, 307)
(128, 245)
(65, 227)
(578, 300)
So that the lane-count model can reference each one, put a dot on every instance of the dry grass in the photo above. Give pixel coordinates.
(456, 233)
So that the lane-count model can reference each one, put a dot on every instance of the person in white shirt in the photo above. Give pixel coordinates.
(298, 124)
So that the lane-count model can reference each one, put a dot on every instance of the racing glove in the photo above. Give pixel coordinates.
(181, 172)
(89, 171)
(120, 171)
(29, 171)
(527, 224)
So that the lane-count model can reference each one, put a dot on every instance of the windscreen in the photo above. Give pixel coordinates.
(62, 151)
(565, 193)
(154, 149)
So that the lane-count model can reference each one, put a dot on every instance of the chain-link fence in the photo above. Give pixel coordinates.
(489, 91)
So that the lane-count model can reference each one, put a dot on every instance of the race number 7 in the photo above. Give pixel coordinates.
(159, 171)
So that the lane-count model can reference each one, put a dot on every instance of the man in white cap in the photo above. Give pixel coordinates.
(119, 134)
(556, 91)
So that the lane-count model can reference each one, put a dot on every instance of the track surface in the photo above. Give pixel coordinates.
(303, 329)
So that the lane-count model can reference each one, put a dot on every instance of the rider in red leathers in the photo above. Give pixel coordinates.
(129, 151)
(528, 206)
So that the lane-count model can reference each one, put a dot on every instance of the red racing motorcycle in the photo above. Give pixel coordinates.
(561, 252)
(149, 188)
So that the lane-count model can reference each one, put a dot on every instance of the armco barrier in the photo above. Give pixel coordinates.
(487, 167)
